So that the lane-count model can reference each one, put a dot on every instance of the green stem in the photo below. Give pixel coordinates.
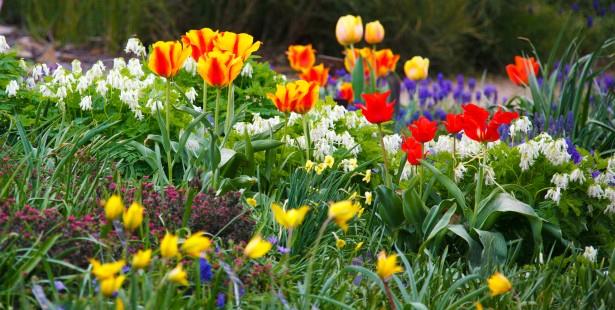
(230, 111)
(387, 180)
(308, 275)
(168, 129)
(306, 133)
(217, 111)
(387, 290)
(204, 96)
(479, 188)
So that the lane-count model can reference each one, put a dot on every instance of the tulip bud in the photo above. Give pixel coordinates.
(114, 207)
(349, 30)
(417, 68)
(374, 32)
(133, 216)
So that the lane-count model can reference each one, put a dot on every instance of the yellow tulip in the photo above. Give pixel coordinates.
(387, 266)
(349, 30)
(368, 198)
(242, 45)
(320, 168)
(417, 68)
(291, 218)
(342, 212)
(219, 69)
(119, 304)
(374, 32)
(168, 57)
(498, 284)
(368, 176)
(178, 275)
(111, 285)
(114, 207)
(141, 259)
(251, 202)
(329, 161)
(168, 246)
(105, 271)
(196, 244)
(309, 165)
(133, 216)
(257, 247)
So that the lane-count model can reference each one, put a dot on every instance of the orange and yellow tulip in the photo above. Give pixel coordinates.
(318, 74)
(349, 30)
(309, 96)
(298, 96)
(242, 45)
(346, 93)
(219, 69)
(385, 62)
(301, 57)
(353, 55)
(201, 41)
(374, 32)
(168, 57)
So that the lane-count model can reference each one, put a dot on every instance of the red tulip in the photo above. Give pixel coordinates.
(345, 93)
(413, 150)
(519, 72)
(475, 124)
(423, 130)
(376, 109)
(454, 123)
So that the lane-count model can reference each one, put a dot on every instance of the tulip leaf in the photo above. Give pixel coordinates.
(440, 226)
(414, 209)
(358, 79)
(494, 246)
(450, 186)
(391, 209)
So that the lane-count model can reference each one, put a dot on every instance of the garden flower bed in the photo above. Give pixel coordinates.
(192, 175)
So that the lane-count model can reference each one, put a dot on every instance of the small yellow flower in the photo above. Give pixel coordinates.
(329, 161)
(358, 247)
(309, 165)
(111, 285)
(251, 202)
(196, 244)
(387, 265)
(320, 168)
(498, 284)
(368, 198)
(339, 243)
(142, 259)
(479, 306)
(133, 216)
(257, 247)
(290, 218)
(361, 210)
(168, 246)
(119, 304)
(368, 176)
(105, 271)
(353, 196)
(114, 207)
(178, 275)
(342, 212)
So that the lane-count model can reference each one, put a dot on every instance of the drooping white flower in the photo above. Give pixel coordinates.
(4, 47)
(153, 105)
(392, 143)
(522, 125)
(11, 88)
(247, 70)
(444, 143)
(190, 65)
(135, 68)
(191, 94)
(556, 152)
(577, 176)
(83, 84)
(61, 93)
(560, 180)
(595, 191)
(97, 70)
(76, 66)
(130, 97)
(554, 194)
(489, 175)
(119, 63)
(529, 151)
(468, 147)
(135, 47)
(460, 170)
(86, 103)
(349, 164)
(101, 87)
(590, 253)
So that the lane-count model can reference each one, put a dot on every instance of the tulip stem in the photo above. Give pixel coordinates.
(387, 181)
(306, 133)
(308, 275)
(387, 291)
(217, 111)
(230, 112)
(204, 96)
(168, 131)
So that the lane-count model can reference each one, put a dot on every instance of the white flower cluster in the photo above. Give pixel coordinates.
(135, 47)
(464, 148)
(521, 125)
(554, 150)
(590, 254)
(11, 88)
(392, 144)
(4, 47)
(258, 125)
(349, 164)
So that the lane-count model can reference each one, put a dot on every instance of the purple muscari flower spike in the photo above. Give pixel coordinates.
(539, 123)
(205, 270)
(282, 298)
(440, 114)
(125, 269)
(415, 116)
(331, 80)
(596, 5)
(504, 131)
(478, 95)
(220, 300)
(428, 115)
(472, 83)
(357, 280)
(595, 174)
(410, 85)
(590, 21)
(612, 8)
(60, 287)
(569, 125)
(440, 77)
(466, 96)
(504, 99)
(283, 250)
(340, 72)
(490, 92)
(575, 7)
(539, 80)
(572, 150)
(460, 80)
(272, 239)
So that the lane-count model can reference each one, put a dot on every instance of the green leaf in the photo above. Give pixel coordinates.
(391, 209)
(358, 79)
(439, 227)
(414, 209)
(450, 186)
(494, 246)
(258, 145)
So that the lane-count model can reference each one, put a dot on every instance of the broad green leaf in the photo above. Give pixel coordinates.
(391, 209)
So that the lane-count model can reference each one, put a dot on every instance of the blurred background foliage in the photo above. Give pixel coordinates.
(457, 35)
